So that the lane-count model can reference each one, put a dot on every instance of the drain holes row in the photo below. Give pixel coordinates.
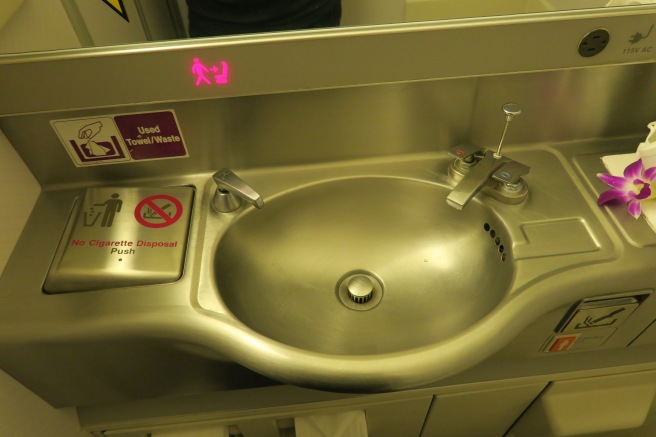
(497, 240)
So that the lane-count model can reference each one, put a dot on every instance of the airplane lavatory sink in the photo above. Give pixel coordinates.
(367, 265)
(361, 277)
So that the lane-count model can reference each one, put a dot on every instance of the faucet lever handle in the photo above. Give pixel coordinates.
(465, 151)
(510, 172)
(231, 189)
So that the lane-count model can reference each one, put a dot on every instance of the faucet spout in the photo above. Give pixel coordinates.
(478, 169)
(477, 178)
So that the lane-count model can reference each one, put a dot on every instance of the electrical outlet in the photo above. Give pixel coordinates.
(594, 42)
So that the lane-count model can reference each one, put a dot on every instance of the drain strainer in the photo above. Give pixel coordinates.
(360, 290)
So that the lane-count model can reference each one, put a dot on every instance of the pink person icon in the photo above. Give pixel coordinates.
(199, 70)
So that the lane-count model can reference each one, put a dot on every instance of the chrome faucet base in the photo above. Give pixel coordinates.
(510, 194)
(225, 201)
(499, 178)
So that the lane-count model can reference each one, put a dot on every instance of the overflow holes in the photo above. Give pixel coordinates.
(497, 240)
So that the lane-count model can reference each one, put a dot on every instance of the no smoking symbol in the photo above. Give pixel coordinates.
(158, 211)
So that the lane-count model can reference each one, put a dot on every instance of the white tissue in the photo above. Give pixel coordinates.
(349, 424)
(615, 164)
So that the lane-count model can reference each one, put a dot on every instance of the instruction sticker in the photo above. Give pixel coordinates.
(158, 211)
(120, 138)
(123, 237)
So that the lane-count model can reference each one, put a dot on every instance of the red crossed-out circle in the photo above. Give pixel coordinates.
(161, 215)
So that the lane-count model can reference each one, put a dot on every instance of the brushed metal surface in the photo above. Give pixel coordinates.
(132, 342)
(231, 190)
(278, 269)
(331, 58)
(275, 271)
(122, 237)
(218, 318)
(362, 122)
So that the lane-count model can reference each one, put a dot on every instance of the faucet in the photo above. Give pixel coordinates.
(231, 190)
(476, 168)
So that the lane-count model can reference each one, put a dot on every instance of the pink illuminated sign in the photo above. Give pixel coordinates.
(211, 75)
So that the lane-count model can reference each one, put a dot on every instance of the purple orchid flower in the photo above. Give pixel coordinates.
(634, 187)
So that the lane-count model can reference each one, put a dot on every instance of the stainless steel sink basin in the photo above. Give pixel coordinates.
(363, 265)
(360, 277)
(355, 276)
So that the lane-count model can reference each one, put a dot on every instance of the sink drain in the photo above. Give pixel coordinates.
(359, 290)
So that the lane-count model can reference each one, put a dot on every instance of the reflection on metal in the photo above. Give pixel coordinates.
(277, 267)
(410, 48)
(499, 177)
(68, 351)
(473, 170)
(258, 281)
(449, 276)
(231, 190)
(360, 290)
(123, 237)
